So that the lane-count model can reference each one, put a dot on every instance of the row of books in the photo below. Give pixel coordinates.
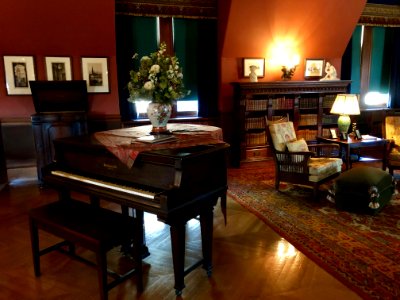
(256, 105)
(308, 103)
(329, 119)
(328, 100)
(282, 103)
(308, 119)
(256, 139)
(255, 123)
(288, 103)
(307, 134)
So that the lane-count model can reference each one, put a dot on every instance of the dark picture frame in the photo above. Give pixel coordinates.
(358, 134)
(313, 68)
(259, 62)
(19, 70)
(58, 68)
(95, 72)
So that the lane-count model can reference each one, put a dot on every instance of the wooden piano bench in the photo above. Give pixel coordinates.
(92, 227)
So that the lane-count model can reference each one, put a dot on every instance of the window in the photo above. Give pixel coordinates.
(370, 71)
(194, 43)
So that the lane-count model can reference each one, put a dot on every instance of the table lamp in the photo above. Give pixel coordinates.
(345, 105)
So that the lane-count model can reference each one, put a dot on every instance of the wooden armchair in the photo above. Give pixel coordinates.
(299, 163)
(391, 131)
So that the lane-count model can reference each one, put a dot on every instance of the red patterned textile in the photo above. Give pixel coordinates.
(124, 145)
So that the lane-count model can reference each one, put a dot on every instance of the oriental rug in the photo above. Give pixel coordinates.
(362, 251)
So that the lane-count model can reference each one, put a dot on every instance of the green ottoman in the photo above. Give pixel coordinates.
(363, 189)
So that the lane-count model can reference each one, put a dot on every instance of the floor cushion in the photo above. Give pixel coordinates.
(363, 189)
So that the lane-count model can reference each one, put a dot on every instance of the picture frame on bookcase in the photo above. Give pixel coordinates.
(259, 64)
(58, 68)
(333, 133)
(313, 68)
(19, 70)
(95, 72)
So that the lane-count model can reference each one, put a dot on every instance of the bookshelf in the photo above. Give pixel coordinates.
(307, 103)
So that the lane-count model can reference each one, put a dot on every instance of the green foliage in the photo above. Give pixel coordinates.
(159, 78)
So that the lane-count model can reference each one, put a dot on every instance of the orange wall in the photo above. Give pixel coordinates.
(72, 28)
(310, 28)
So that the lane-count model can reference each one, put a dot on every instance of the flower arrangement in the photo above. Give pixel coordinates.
(159, 78)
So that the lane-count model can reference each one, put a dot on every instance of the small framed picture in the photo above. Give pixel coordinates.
(19, 70)
(313, 68)
(358, 134)
(58, 68)
(333, 133)
(256, 65)
(95, 72)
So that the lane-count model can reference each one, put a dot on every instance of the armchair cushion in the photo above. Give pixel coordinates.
(297, 146)
(320, 168)
(281, 134)
(392, 126)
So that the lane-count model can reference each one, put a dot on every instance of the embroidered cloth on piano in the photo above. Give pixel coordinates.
(124, 145)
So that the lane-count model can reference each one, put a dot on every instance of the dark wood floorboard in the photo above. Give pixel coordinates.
(250, 260)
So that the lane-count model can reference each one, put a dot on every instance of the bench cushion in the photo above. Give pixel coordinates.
(363, 189)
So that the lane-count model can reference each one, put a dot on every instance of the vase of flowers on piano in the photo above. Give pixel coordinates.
(158, 78)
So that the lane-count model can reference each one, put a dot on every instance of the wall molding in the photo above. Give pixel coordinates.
(199, 9)
(380, 15)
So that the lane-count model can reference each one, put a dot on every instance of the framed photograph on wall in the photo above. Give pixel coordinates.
(95, 72)
(58, 68)
(258, 64)
(313, 68)
(19, 70)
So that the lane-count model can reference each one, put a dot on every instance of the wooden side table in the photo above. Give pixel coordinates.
(352, 143)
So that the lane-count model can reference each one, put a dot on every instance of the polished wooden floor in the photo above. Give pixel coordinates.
(250, 260)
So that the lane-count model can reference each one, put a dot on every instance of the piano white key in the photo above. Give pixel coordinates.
(109, 185)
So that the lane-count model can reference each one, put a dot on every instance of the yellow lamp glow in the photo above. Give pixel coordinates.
(345, 105)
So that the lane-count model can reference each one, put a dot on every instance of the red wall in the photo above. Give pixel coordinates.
(76, 28)
(72, 28)
(316, 29)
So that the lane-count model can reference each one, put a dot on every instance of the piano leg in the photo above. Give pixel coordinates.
(177, 231)
(206, 225)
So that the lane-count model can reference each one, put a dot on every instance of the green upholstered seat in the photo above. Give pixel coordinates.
(363, 189)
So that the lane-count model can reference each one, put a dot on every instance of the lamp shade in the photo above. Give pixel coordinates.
(346, 104)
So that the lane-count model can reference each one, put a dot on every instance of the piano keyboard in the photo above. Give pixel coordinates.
(108, 185)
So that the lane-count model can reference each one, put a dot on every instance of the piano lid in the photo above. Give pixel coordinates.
(59, 96)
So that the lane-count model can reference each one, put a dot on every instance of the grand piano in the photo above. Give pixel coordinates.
(177, 180)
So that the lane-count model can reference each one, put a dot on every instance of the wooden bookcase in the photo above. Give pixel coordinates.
(307, 103)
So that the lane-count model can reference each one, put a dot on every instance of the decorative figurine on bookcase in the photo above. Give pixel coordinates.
(331, 73)
(253, 74)
(287, 73)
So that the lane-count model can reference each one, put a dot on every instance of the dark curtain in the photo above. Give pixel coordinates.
(133, 35)
(395, 70)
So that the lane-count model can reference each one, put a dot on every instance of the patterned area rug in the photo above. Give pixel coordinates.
(362, 251)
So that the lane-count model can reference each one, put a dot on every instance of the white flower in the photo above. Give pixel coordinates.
(149, 85)
(144, 58)
(155, 69)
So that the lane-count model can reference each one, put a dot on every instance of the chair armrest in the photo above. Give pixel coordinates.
(325, 150)
(294, 162)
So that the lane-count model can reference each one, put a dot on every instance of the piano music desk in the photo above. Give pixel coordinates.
(177, 181)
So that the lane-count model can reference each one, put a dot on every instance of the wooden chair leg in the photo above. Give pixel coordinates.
(315, 191)
(101, 257)
(34, 231)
